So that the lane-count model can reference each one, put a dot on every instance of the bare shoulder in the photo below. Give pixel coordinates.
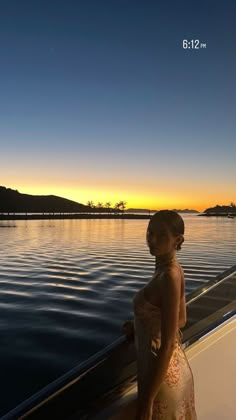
(173, 275)
(174, 272)
(172, 283)
(177, 272)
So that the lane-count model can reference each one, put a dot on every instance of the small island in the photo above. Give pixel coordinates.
(224, 211)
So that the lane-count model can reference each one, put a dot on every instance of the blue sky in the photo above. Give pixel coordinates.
(100, 101)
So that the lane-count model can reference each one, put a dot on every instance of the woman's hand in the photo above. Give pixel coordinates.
(128, 328)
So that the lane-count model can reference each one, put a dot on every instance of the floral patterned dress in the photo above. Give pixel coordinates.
(175, 398)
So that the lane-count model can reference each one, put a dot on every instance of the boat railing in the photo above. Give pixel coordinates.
(200, 291)
(208, 324)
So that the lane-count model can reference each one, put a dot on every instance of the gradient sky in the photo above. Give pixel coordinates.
(99, 101)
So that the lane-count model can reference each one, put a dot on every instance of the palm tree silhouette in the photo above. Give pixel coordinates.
(108, 206)
(117, 207)
(90, 204)
(122, 205)
(99, 206)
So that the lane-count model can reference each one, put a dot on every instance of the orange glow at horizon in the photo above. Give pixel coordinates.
(144, 199)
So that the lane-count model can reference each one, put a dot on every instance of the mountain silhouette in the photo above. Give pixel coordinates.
(11, 201)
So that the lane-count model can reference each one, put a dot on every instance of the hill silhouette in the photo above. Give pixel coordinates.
(11, 201)
(231, 209)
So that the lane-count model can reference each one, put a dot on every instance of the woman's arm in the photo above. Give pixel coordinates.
(170, 301)
(182, 306)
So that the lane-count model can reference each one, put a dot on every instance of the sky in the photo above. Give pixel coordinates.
(100, 101)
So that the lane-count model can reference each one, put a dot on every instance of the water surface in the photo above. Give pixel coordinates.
(66, 287)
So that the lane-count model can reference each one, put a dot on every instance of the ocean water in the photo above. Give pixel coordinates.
(66, 287)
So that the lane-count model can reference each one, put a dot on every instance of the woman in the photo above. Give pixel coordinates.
(165, 380)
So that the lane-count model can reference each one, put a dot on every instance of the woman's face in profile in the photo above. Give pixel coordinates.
(160, 239)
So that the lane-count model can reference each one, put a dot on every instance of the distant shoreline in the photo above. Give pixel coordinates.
(90, 216)
(217, 214)
(72, 216)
